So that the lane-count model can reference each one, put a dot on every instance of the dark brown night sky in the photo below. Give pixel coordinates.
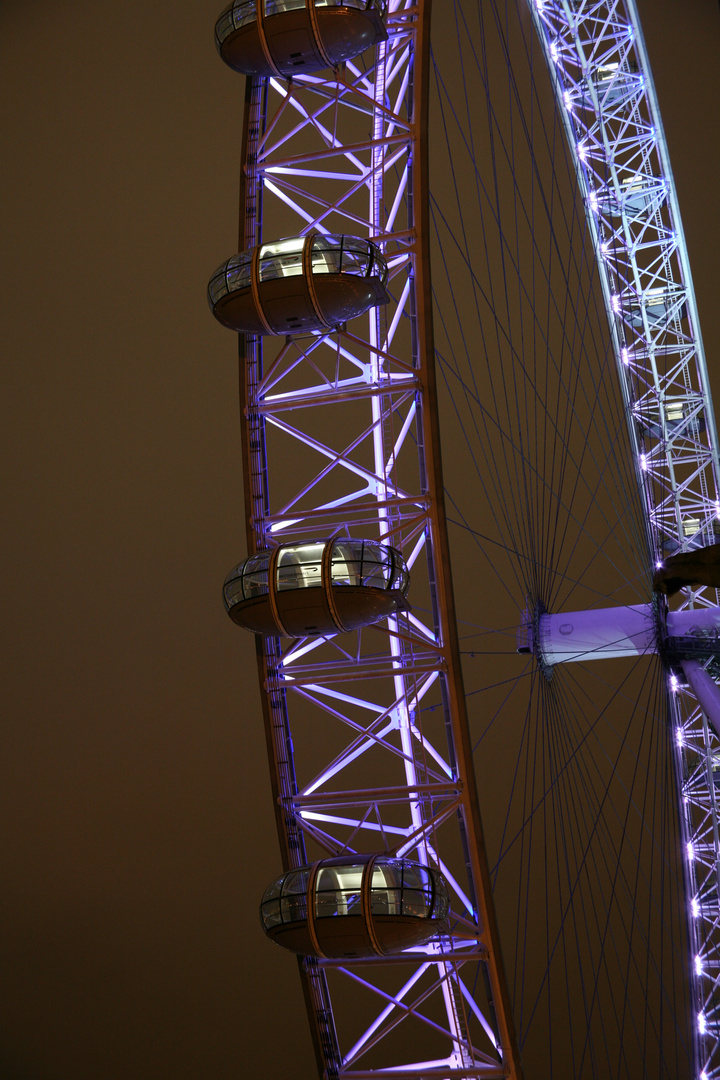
(138, 830)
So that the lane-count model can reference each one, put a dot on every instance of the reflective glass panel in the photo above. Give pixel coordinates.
(337, 890)
(280, 266)
(271, 913)
(273, 890)
(237, 15)
(356, 257)
(255, 575)
(416, 903)
(327, 254)
(386, 902)
(295, 882)
(442, 900)
(346, 562)
(293, 908)
(416, 877)
(387, 873)
(300, 567)
(376, 566)
(233, 591)
(237, 274)
(217, 286)
(275, 7)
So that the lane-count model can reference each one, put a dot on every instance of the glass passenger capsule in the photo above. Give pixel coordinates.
(286, 37)
(658, 305)
(317, 587)
(355, 906)
(298, 284)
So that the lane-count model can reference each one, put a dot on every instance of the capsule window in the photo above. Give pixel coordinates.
(276, 7)
(338, 891)
(346, 563)
(255, 575)
(240, 14)
(271, 913)
(386, 890)
(281, 259)
(300, 567)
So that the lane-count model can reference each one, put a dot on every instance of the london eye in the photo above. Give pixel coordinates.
(573, 930)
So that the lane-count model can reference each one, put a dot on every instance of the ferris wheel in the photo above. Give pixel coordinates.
(558, 344)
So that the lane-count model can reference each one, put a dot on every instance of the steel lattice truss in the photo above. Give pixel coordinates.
(597, 59)
(366, 731)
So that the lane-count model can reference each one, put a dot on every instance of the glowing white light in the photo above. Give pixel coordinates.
(691, 850)
(698, 965)
(680, 736)
(695, 907)
(568, 100)
(703, 1075)
(554, 51)
(673, 682)
(615, 303)
(593, 200)
(643, 463)
(702, 1023)
(625, 357)
(658, 565)
(717, 509)
(604, 247)
(582, 150)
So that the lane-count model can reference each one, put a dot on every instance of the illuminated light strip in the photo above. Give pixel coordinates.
(292, 204)
(370, 1031)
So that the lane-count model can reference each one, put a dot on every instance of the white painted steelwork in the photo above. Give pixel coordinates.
(609, 633)
(599, 66)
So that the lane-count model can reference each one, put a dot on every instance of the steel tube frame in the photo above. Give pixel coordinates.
(599, 67)
(346, 151)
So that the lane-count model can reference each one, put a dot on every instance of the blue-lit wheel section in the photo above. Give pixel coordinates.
(553, 689)
(569, 346)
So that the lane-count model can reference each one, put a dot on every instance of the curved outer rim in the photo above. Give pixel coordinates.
(560, 30)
